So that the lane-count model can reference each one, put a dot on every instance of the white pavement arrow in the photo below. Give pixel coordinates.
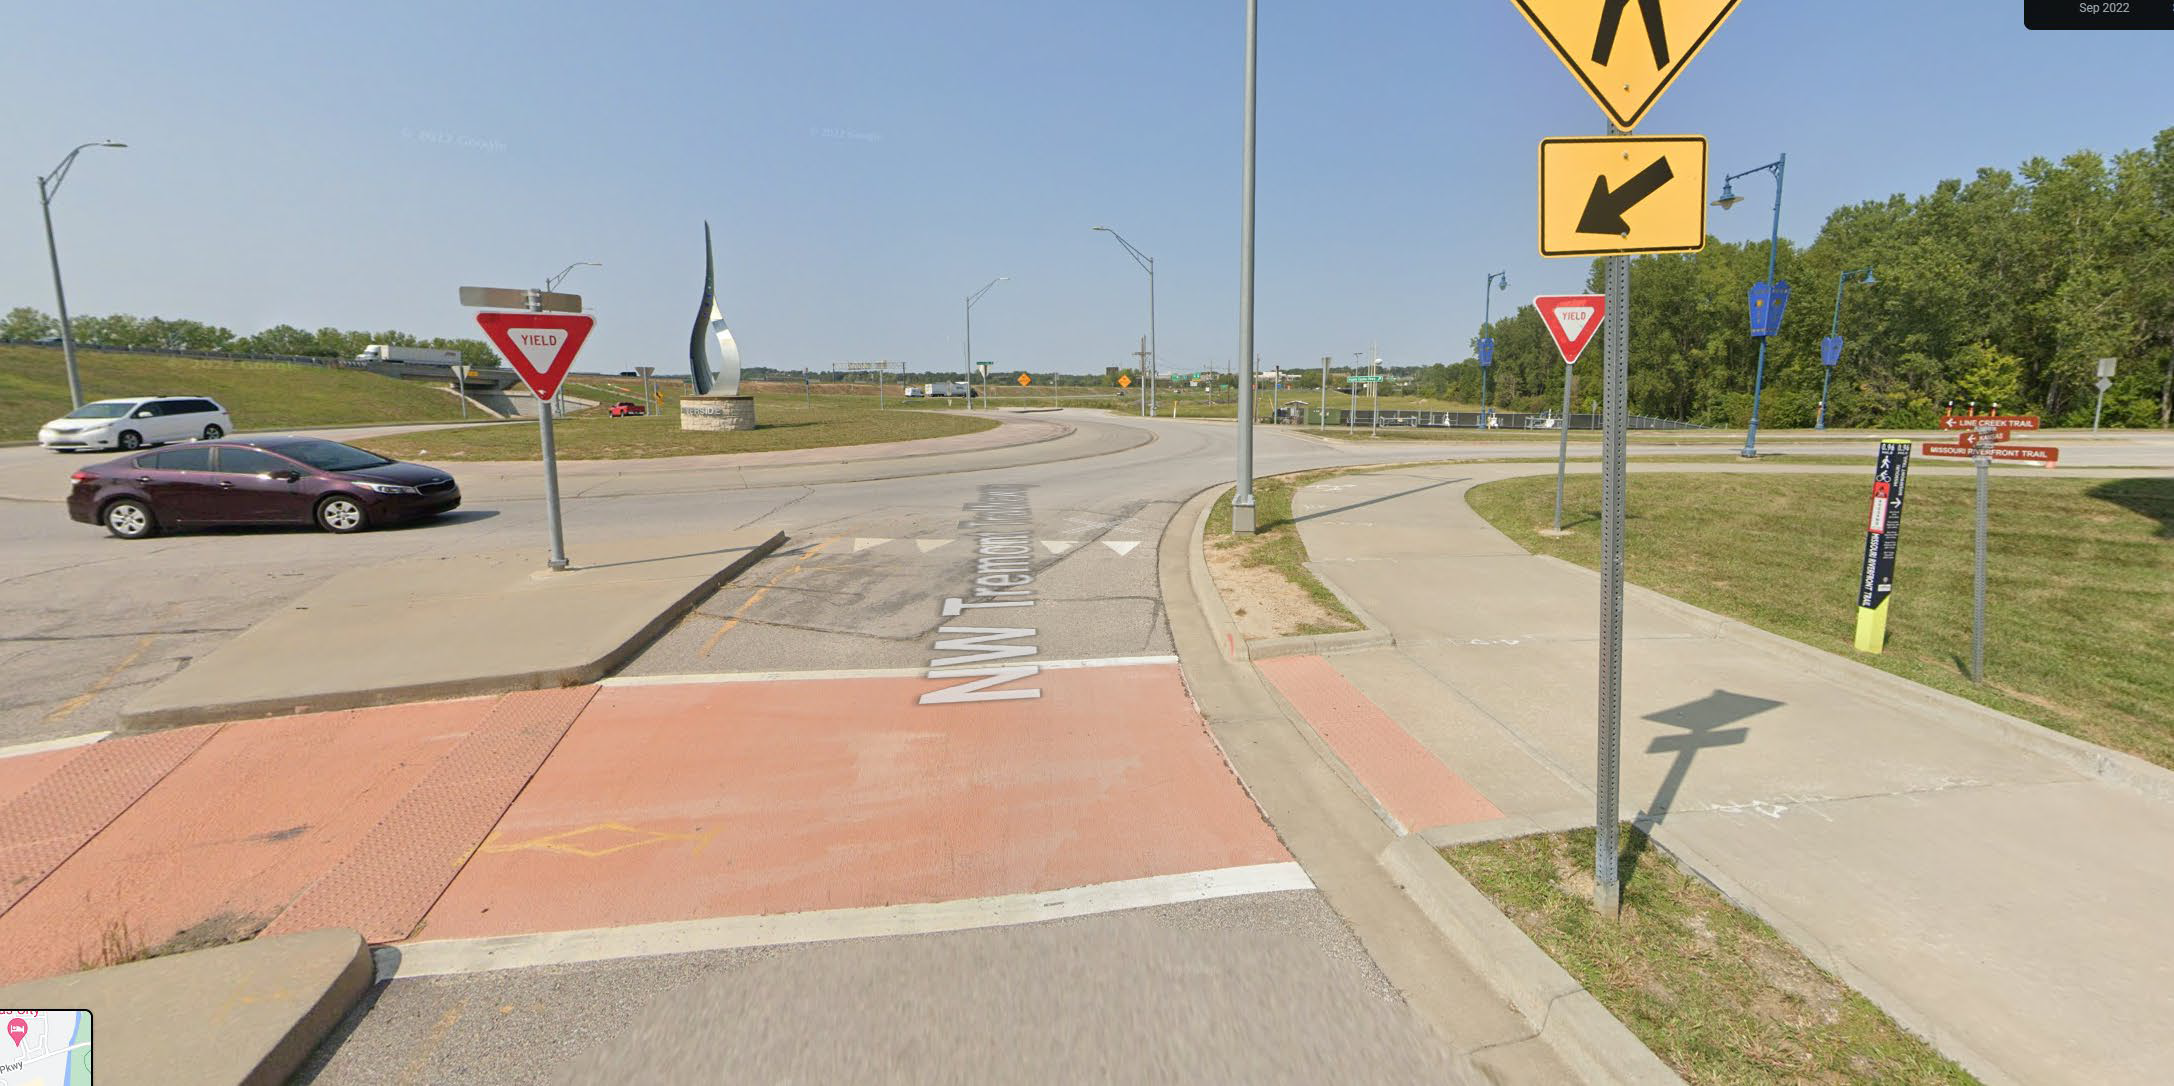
(1059, 546)
(1121, 548)
(928, 545)
(860, 545)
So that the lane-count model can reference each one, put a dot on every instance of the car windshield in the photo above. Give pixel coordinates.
(101, 410)
(333, 456)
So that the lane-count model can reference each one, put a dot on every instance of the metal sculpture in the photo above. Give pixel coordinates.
(713, 359)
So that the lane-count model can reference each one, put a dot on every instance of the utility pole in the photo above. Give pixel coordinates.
(1141, 354)
(1324, 392)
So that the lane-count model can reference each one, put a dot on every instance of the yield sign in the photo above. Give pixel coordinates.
(540, 346)
(1626, 55)
(1571, 319)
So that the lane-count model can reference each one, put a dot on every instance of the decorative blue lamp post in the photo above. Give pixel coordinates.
(1769, 298)
(1830, 348)
(1487, 340)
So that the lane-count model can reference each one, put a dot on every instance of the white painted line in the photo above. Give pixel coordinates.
(862, 673)
(862, 544)
(1059, 546)
(1121, 548)
(443, 957)
(43, 745)
(928, 545)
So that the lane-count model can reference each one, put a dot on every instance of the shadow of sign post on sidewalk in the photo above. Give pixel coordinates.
(1705, 725)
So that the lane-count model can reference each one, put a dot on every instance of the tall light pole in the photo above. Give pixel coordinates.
(48, 187)
(970, 300)
(1832, 356)
(1730, 199)
(551, 283)
(1241, 502)
(1487, 340)
(1147, 264)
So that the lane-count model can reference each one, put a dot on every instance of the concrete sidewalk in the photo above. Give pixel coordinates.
(452, 627)
(1996, 887)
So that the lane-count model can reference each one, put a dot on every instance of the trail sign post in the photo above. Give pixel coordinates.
(1571, 320)
(2105, 381)
(1626, 61)
(1601, 195)
(1883, 536)
(541, 348)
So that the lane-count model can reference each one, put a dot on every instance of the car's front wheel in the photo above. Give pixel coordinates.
(130, 441)
(213, 432)
(130, 519)
(341, 514)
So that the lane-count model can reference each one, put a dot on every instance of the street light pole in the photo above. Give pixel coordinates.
(970, 300)
(1728, 200)
(1154, 361)
(551, 283)
(1241, 503)
(1487, 301)
(1834, 331)
(49, 187)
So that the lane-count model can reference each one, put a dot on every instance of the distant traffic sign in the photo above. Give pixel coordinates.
(1571, 319)
(2103, 383)
(1624, 63)
(1124, 380)
(1025, 380)
(1609, 195)
(539, 346)
(1364, 379)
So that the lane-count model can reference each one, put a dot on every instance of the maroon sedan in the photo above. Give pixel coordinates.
(268, 480)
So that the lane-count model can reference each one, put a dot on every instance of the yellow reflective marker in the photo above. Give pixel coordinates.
(1610, 195)
(1625, 56)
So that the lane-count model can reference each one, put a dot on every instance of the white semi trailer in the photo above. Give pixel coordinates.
(429, 356)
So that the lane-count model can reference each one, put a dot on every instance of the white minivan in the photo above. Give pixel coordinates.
(135, 422)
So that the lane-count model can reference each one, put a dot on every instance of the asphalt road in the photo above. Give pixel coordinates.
(86, 621)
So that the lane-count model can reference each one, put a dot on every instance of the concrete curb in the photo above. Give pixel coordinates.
(585, 671)
(248, 1013)
(2084, 757)
(1561, 1011)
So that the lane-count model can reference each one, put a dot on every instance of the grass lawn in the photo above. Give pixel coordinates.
(781, 423)
(1715, 993)
(1275, 546)
(2080, 593)
(260, 395)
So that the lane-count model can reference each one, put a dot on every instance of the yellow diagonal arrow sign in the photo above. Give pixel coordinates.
(1609, 195)
(1626, 53)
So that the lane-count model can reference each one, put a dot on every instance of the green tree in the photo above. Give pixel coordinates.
(25, 323)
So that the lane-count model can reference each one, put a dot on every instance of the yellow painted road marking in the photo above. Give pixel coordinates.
(759, 593)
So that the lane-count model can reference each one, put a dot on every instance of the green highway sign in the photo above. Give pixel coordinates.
(985, 365)
(1363, 379)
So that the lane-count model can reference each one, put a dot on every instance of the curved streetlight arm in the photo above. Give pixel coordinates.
(553, 282)
(1774, 168)
(1146, 262)
(49, 185)
(976, 296)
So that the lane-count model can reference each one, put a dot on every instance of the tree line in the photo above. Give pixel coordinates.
(161, 333)
(2006, 288)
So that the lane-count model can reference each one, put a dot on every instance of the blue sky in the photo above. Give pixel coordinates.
(867, 165)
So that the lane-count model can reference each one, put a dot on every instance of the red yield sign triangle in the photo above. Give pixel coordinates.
(1571, 319)
(540, 346)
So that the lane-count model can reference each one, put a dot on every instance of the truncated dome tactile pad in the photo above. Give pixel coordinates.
(47, 824)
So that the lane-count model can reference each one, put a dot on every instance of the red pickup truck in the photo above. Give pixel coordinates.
(627, 407)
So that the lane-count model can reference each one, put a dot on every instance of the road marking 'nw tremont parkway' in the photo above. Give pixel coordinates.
(1003, 557)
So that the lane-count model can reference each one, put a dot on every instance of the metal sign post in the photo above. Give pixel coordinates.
(1615, 425)
(1571, 320)
(541, 350)
(1562, 446)
(2105, 381)
(1984, 460)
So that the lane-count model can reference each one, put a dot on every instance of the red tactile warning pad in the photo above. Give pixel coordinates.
(680, 802)
(52, 818)
(229, 837)
(1405, 778)
(386, 883)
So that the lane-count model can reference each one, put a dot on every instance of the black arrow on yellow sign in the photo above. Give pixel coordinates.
(1604, 209)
